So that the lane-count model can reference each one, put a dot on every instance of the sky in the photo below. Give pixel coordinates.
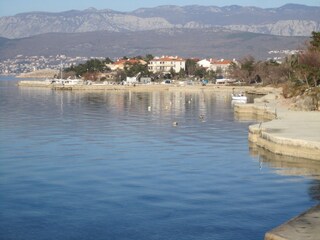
(12, 7)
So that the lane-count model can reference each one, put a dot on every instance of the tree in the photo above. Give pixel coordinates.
(148, 57)
(306, 70)
(172, 73)
(90, 69)
(308, 65)
(211, 74)
(107, 61)
(132, 70)
(244, 70)
(200, 72)
(182, 73)
(247, 67)
(191, 66)
(120, 76)
(315, 40)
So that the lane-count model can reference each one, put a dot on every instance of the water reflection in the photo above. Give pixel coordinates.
(156, 102)
(286, 165)
(249, 117)
(314, 190)
(290, 166)
(90, 165)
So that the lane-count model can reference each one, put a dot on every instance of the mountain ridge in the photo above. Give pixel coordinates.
(302, 19)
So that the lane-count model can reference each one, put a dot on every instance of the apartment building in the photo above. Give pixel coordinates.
(121, 63)
(164, 64)
(214, 64)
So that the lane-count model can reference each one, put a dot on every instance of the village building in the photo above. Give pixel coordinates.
(165, 64)
(120, 64)
(205, 63)
(222, 64)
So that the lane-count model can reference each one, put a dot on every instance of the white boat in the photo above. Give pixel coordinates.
(67, 81)
(239, 97)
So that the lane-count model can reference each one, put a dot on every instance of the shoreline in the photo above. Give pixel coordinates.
(304, 226)
(146, 87)
(286, 133)
(280, 131)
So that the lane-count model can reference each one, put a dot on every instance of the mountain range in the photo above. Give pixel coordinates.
(289, 20)
(194, 30)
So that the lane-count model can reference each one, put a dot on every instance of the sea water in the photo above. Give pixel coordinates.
(112, 165)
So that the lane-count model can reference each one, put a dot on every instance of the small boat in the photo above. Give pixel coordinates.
(239, 97)
(67, 81)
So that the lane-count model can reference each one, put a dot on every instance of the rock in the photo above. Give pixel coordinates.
(305, 103)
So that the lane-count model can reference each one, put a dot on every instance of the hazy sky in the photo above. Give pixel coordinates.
(11, 7)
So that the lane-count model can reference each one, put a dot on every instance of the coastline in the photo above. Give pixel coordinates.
(286, 133)
(39, 74)
(146, 87)
(281, 131)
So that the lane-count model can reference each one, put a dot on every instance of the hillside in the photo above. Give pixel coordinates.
(177, 41)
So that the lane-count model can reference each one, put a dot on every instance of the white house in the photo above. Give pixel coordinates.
(213, 64)
(222, 64)
(165, 63)
(204, 63)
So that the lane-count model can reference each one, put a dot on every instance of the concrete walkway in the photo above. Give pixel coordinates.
(291, 133)
(304, 227)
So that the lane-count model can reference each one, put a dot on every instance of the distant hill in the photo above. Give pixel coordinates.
(209, 42)
(288, 20)
(197, 31)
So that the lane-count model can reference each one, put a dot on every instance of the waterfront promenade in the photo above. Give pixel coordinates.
(139, 87)
(291, 133)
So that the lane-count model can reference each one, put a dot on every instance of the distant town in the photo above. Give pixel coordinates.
(25, 64)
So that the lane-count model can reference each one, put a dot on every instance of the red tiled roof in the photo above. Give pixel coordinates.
(221, 62)
(124, 61)
(168, 59)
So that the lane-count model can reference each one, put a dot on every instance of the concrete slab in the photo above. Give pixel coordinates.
(303, 227)
(290, 133)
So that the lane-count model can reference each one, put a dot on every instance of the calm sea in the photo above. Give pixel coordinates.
(110, 165)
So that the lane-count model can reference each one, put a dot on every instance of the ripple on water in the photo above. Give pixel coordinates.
(77, 165)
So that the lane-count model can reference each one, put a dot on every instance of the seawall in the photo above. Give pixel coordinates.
(286, 133)
(142, 87)
(291, 133)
